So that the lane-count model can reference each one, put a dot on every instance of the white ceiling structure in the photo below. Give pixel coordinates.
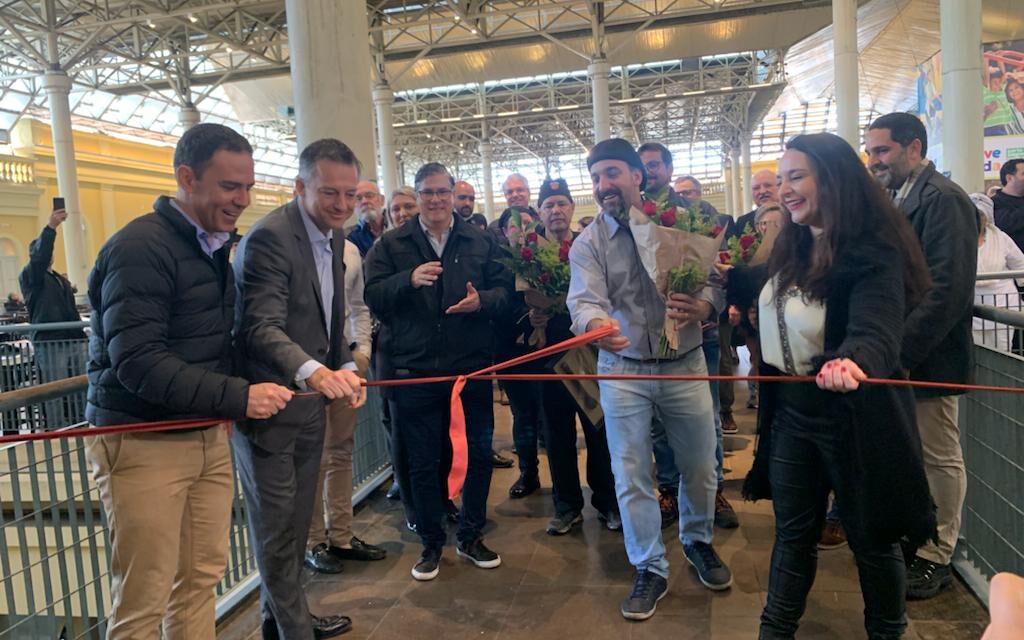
(693, 73)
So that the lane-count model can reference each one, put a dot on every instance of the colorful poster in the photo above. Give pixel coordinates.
(1002, 104)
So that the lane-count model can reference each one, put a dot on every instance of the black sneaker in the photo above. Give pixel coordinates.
(426, 567)
(563, 523)
(611, 520)
(725, 515)
(710, 569)
(648, 589)
(477, 553)
(925, 579)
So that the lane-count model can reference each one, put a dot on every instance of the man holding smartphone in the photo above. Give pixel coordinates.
(50, 297)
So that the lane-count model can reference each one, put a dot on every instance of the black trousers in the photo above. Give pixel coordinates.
(420, 415)
(559, 425)
(804, 465)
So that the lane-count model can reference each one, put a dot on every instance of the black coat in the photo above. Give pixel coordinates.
(48, 294)
(1009, 216)
(416, 334)
(937, 341)
(161, 326)
(863, 322)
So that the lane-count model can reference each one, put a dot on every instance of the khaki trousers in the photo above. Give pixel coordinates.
(332, 506)
(167, 498)
(937, 421)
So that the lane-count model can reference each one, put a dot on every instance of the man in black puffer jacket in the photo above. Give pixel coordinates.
(436, 285)
(163, 301)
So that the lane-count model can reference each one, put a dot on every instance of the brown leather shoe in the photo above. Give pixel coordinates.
(832, 536)
(725, 515)
(669, 505)
(729, 425)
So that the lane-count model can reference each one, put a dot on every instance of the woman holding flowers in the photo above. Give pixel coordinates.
(843, 273)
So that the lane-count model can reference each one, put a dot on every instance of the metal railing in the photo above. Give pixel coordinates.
(54, 543)
(992, 437)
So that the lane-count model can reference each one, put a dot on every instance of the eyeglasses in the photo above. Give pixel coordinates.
(427, 194)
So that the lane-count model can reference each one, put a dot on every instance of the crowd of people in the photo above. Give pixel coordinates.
(872, 275)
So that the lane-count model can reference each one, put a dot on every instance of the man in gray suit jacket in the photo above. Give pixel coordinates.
(289, 330)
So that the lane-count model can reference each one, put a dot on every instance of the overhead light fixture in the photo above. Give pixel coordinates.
(473, 31)
(151, 24)
(508, 113)
(457, 18)
(563, 107)
(537, 109)
(661, 95)
(629, 100)
(422, 121)
(229, 49)
(192, 19)
(478, 115)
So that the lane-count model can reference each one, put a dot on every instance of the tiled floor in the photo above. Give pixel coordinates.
(570, 587)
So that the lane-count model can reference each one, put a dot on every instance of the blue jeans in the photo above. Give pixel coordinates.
(420, 416)
(686, 410)
(665, 465)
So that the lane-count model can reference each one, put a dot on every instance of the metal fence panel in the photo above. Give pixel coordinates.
(53, 539)
(992, 436)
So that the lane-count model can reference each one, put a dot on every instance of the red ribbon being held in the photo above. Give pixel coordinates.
(457, 421)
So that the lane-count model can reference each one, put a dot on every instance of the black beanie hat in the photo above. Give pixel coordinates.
(618, 149)
(553, 187)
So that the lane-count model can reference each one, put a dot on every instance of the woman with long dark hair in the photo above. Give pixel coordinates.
(844, 271)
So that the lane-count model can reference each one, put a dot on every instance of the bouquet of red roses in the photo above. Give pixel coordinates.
(750, 247)
(677, 247)
(541, 268)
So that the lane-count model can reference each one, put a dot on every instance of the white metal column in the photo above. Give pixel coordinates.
(737, 182)
(383, 102)
(963, 124)
(486, 158)
(599, 71)
(729, 174)
(746, 175)
(329, 45)
(188, 116)
(847, 92)
(57, 85)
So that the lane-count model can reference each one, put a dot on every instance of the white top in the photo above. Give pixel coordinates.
(357, 314)
(804, 326)
(999, 253)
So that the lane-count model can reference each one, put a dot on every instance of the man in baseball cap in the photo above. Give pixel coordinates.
(609, 288)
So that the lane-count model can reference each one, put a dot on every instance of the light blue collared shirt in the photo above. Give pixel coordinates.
(323, 258)
(609, 281)
(210, 243)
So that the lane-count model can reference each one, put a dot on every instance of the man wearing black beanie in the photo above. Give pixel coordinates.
(610, 287)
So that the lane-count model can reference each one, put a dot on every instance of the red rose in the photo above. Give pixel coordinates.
(531, 237)
(668, 219)
(544, 277)
(717, 230)
(527, 254)
(724, 257)
(746, 241)
(563, 254)
(650, 208)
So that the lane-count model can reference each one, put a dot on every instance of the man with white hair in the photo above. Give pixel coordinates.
(370, 208)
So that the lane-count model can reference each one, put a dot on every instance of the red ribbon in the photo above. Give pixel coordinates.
(457, 419)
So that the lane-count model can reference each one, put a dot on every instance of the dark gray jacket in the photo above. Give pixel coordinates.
(937, 342)
(279, 322)
(161, 326)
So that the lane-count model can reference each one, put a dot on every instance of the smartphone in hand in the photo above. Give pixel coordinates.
(58, 203)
